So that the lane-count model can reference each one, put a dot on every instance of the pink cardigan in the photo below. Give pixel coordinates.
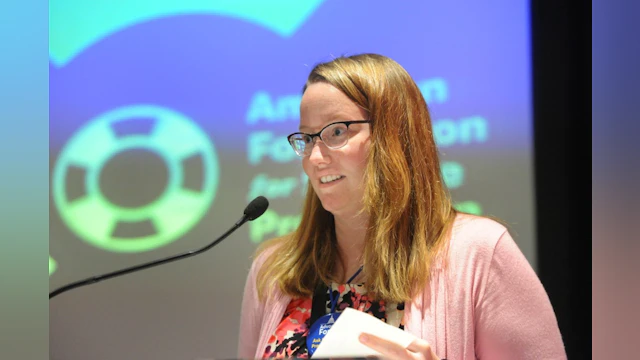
(488, 304)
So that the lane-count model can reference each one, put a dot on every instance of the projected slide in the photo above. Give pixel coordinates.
(168, 117)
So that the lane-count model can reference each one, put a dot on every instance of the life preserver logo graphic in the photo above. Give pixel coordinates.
(137, 212)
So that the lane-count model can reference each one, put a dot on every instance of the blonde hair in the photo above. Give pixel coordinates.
(410, 211)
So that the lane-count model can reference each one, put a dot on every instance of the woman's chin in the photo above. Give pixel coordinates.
(337, 208)
(331, 205)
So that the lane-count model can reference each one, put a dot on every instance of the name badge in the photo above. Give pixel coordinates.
(318, 330)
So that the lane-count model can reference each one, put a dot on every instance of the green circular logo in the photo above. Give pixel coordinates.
(172, 136)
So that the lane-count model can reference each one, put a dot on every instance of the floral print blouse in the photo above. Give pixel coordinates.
(290, 337)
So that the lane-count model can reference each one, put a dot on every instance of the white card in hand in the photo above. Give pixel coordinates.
(342, 339)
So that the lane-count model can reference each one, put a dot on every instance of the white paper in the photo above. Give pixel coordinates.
(342, 339)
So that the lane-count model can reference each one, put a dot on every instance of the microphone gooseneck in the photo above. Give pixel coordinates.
(254, 210)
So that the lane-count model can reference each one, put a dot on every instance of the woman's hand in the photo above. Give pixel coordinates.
(418, 349)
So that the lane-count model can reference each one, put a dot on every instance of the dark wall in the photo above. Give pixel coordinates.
(562, 131)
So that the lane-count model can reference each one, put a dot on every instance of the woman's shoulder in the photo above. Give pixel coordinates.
(267, 249)
(478, 228)
(472, 234)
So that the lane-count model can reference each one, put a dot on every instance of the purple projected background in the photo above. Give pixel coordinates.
(216, 94)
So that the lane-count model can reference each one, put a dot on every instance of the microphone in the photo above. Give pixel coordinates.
(254, 210)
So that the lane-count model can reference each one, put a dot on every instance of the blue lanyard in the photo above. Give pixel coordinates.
(334, 301)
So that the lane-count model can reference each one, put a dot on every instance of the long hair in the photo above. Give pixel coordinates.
(409, 209)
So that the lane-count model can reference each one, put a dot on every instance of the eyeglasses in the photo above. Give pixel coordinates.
(334, 136)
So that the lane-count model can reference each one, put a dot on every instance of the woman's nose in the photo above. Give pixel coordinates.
(318, 151)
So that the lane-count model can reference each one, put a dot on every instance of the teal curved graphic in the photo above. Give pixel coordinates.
(175, 138)
(52, 265)
(471, 207)
(75, 25)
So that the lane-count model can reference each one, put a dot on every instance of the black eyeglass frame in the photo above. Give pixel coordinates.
(312, 136)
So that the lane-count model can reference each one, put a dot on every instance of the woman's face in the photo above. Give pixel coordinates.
(336, 175)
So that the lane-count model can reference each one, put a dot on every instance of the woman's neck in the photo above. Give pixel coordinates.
(350, 235)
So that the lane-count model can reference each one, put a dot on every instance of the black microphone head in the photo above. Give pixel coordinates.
(256, 208)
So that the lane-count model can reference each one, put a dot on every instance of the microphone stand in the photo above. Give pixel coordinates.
(95, 279)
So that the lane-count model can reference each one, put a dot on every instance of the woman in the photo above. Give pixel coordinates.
(379, 234)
